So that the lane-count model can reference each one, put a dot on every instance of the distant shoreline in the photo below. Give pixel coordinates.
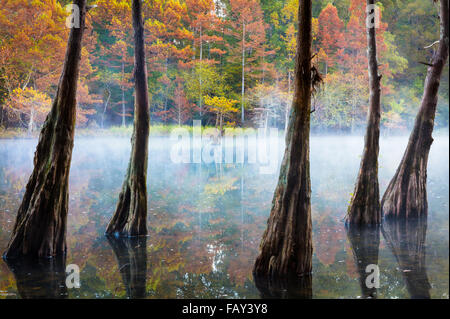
(158, 130)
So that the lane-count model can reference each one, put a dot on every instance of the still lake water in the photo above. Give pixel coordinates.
(205, 223)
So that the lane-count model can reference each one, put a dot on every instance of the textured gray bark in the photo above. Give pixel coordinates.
(406, 195)
(365, 203)
(40, 228)
(286, 246)
(130, 217)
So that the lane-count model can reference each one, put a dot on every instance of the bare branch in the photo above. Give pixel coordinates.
(429, 46)
(425, 63)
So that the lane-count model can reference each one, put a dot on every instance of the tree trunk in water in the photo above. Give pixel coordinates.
(286, 246)
(40, 228)
(131, 256)
(406, 239)
(365, 243)
(130, 217)
(365, 203)
(406, 195)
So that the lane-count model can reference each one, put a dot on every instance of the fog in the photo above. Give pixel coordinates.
(331, 156)
(206, 219)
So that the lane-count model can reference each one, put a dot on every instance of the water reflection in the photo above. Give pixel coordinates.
(293, 288)
(365, 243)
(406, 239)
(205, 221)
(131, 256)
(39, 279)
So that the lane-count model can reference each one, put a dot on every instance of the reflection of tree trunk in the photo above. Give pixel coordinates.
(131, 255)
(286, 246)
(242, 206)
(298, 288)
(406, 238)
(365, 203)
(40, 279)
(40, 228)
(406, 194)
(130, 217)
(365, 243)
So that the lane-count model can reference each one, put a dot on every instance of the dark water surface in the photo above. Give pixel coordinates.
(205, 223)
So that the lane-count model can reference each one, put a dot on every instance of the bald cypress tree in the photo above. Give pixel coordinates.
(406, 194)
(40, 227)
(365, 203)
(286, 246)
(130, 217)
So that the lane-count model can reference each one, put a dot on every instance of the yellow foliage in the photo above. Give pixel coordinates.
(23, 100)
(221, 105)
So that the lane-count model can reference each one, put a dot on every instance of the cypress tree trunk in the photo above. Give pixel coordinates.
(286, 246)
(406, 239)
(365, 243)
(365, 203)
(131, 255)
(40, 228)
(130, 217)
(406, 195)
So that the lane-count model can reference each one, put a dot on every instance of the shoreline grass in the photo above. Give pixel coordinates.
(156, 130)
(160, 130)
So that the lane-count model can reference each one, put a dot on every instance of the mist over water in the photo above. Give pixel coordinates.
(206, 220)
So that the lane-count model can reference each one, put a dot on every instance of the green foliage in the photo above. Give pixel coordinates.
(202, 80)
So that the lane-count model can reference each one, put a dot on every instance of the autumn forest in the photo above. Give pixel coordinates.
(240, 53)
(216, 149)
